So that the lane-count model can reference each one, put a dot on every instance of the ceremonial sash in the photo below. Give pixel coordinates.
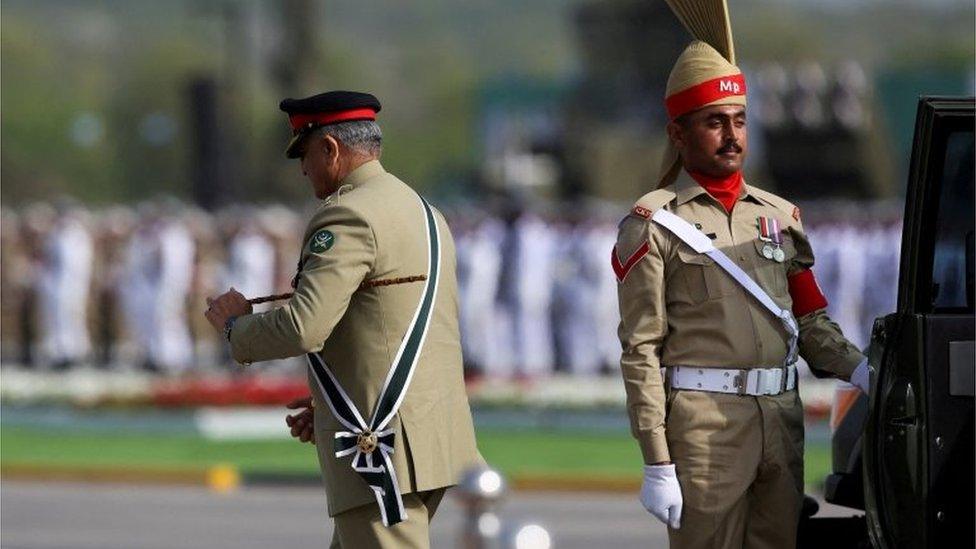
(694, 238)
(371, 444)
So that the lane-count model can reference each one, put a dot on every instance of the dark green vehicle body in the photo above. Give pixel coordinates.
(906, 455)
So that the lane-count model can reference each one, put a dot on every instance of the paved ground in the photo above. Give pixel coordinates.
(101, 516)
(80, 516)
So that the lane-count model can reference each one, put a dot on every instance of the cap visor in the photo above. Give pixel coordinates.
(294, 149)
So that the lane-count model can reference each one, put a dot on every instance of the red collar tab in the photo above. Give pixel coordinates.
(300, 121)
(702, 94)
(725, 189)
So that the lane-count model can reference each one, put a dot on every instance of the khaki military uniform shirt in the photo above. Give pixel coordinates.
(373, 228)
(680, 308)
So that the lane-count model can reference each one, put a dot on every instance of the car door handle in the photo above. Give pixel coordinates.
(904, 421)
(900, 406)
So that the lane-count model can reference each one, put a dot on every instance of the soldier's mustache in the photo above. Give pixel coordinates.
(730, 147)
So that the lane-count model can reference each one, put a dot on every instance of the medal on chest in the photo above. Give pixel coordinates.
(772, 238)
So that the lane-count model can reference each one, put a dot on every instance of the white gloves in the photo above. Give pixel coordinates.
(861, 378)
(661, 494)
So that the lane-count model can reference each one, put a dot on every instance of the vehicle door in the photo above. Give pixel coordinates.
(918, 446)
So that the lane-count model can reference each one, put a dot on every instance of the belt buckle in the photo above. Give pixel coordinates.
(762, 378)
(739, 381)
(764, 381)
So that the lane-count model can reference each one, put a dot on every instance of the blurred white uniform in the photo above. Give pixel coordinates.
(250, 263)
(160, 267)
(575, 302)
(565, 276)
(480, 260)
(600, 242)
(851, 255)
(858, 294)
(880, 282)
(534, 262)
(64, 282)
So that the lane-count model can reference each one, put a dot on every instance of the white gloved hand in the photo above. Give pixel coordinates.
(861, 378)
(661, 494)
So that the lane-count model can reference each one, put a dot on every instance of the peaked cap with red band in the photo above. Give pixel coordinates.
(702, 77)
(305, 115)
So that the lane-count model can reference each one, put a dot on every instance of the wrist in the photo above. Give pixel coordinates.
(659, 470)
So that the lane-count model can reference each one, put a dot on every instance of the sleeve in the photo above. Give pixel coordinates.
(639, 265)
(822, 343)
(338, 254)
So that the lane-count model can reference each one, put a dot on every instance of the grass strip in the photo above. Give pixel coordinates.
(518, 454)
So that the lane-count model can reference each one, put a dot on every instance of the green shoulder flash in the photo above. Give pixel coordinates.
(321, 241)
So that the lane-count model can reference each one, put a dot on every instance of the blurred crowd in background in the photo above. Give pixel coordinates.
(532, 125)
(124, 288)
(128, 285)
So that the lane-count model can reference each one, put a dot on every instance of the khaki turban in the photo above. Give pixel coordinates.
(701, 77)
(705, 73)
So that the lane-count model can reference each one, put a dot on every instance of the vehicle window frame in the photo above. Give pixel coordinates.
(943, 118)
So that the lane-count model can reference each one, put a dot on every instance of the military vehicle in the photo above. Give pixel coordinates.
(905, 456)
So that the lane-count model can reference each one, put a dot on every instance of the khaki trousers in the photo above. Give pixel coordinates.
(739, 461)
(362, 527)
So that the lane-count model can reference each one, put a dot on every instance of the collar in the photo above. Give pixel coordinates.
(364, 172)
(687, 189)
(749, 192)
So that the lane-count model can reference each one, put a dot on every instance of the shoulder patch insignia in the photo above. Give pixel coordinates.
(641, 211)
(321, 241)
(796, 213)
(623, 269)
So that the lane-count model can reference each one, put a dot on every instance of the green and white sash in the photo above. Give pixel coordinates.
(371, 444)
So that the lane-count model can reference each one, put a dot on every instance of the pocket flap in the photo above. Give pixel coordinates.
(687, 255)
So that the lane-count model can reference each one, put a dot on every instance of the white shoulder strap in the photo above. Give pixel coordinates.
(694, 238)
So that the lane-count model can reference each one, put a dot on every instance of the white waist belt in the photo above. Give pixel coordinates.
(744, 381)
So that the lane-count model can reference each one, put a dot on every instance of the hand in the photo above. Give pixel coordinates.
(225, 306)
(661, 494)
(861, 378)
(303, 423)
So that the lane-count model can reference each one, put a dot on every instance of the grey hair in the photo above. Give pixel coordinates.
(362, 136)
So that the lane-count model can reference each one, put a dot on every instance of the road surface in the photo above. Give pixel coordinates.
(90, 516)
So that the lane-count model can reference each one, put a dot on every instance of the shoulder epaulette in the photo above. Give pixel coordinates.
(646, 205)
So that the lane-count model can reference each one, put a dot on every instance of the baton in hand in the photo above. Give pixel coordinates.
(365, 284)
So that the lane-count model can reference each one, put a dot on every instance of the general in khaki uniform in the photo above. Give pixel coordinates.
(375, 286)
(708, 367)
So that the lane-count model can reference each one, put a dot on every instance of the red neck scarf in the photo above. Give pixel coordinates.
(726, 189)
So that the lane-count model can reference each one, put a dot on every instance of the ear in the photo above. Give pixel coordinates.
(330, 146)
(676, 134)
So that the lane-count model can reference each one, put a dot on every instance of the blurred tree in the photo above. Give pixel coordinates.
(94, 103)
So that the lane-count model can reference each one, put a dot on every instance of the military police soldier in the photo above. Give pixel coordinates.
(375, 312)
(716, 296)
